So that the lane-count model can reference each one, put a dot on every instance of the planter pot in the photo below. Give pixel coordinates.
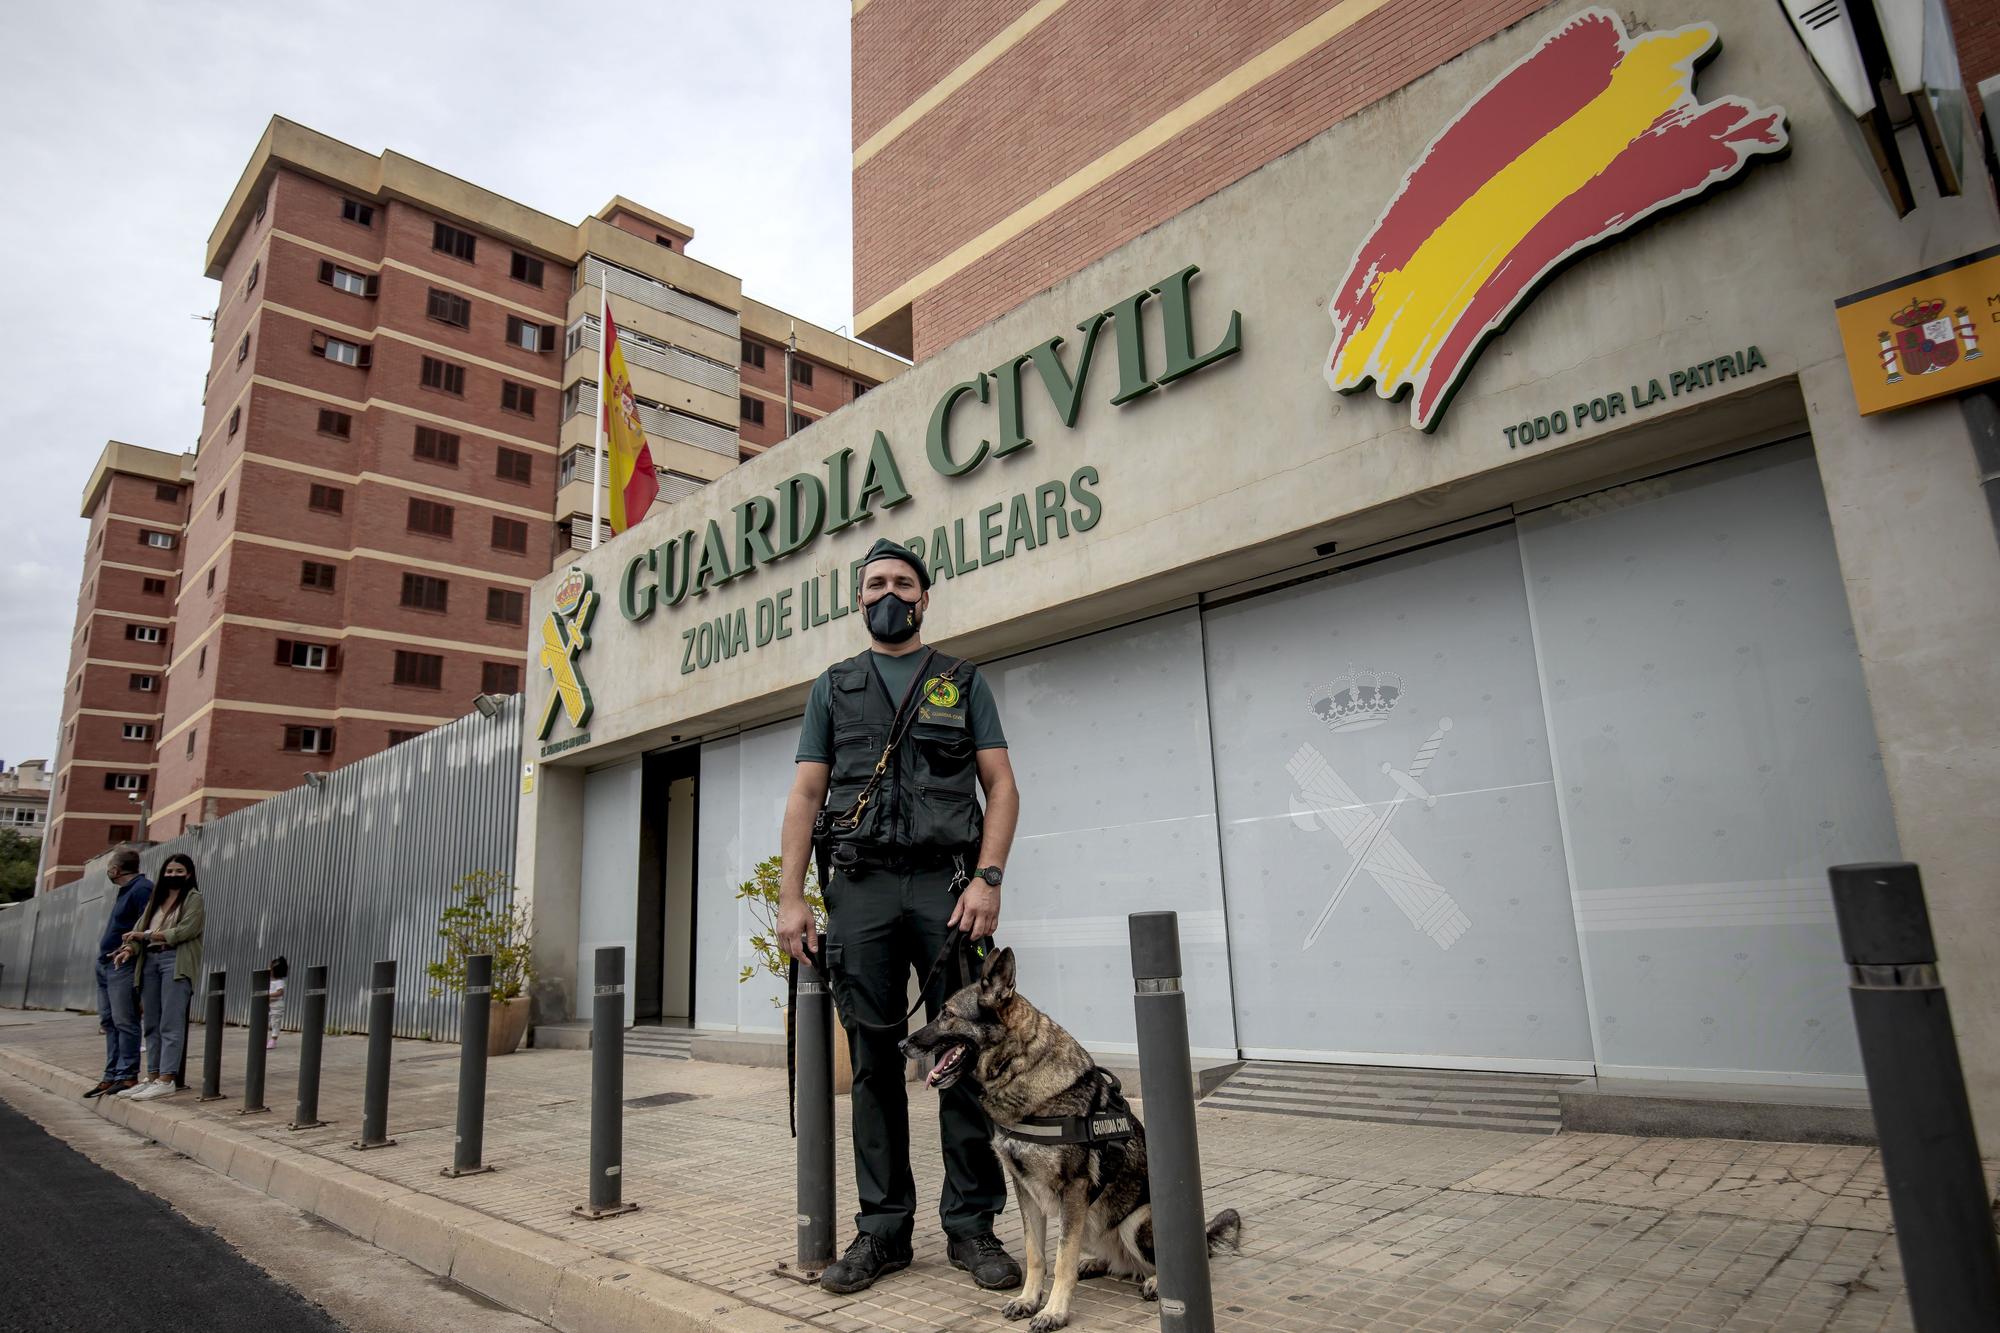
(507, 1026)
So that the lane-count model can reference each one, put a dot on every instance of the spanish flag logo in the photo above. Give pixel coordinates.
(1585, 137)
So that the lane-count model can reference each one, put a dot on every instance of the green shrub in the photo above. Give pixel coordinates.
(476, 923)
(761, 894)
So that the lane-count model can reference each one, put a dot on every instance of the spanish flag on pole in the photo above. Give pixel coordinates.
(633, 481)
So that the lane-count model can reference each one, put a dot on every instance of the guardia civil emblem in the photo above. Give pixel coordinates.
(565, 635)
(941, 693)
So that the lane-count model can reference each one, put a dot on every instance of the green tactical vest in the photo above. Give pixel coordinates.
(928, 800)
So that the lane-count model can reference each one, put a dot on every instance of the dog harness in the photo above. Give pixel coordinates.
(1109, 1119)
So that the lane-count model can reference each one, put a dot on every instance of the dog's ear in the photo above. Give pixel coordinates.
(996, 980)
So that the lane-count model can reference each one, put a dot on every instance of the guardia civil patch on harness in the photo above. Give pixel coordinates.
(941, 693)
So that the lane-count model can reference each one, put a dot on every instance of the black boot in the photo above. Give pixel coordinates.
(987, 1260)
(866, 1259)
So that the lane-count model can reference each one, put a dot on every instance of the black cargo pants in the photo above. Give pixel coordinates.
(883, 926)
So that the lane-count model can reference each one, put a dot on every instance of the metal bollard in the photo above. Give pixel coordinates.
(1173, 1155)
(312, 1037)
(474, 1019)
(260, 1028)
(211, 1037)
(1930, 1157)
(813, 1040)
(381, 1024)
(607, 1087)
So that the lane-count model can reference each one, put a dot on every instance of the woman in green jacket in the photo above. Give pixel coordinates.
(167, 942)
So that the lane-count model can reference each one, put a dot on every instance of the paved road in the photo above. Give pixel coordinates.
(85, 1249)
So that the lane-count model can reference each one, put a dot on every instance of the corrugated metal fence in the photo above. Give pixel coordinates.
(345, 873)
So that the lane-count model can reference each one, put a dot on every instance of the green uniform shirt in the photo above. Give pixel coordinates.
(816, 732)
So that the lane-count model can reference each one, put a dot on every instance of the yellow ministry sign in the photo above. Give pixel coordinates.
(1919, 337)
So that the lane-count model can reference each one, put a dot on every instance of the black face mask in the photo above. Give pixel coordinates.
(891, 619)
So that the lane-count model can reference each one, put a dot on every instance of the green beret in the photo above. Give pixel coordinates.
(888, 550)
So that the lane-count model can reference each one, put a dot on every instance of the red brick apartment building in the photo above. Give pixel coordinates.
(396, 442)
(1003, 145)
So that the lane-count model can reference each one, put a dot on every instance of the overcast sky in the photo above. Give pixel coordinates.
(124, 126)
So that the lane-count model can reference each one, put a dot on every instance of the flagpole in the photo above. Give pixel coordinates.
(603, 400)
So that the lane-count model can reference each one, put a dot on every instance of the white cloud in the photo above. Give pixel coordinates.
(126, 126)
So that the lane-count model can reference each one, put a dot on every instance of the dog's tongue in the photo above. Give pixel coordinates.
(945, 1064)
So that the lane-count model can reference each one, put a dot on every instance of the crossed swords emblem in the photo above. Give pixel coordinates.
(1324, 799)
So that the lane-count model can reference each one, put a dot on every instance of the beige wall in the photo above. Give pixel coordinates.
(1245, 467)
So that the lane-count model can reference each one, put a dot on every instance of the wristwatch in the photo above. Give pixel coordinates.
(991, 874)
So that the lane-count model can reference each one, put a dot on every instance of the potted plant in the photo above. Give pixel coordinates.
(482, 918)
(760, 894)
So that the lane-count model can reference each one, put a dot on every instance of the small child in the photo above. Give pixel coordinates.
(278, 971)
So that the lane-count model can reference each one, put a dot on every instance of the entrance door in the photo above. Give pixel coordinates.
(663, 970)
(1393, 864)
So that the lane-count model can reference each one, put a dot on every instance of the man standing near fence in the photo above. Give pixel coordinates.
(117, 998)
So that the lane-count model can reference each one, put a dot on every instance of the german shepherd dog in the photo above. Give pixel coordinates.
(1029, 1073)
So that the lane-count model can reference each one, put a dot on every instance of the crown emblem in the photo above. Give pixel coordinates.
(569, 593)
(1917, 313)
(1356, 700)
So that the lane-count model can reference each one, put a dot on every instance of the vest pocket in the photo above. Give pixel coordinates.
(946, 819)
(944, 757)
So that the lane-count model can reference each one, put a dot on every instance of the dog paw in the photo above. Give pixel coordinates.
(1149, 1290)
(1048, 1323)
(1020, 1308)
(1091, 1268)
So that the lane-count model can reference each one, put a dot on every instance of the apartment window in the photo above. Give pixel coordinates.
(514, 465)
(802, 371)
(510, 534)
(753, 410)
(326, 499)
(201, 661)
(138, 731)
(753, 354)
(499, 678)
(517, 398)
(436, 446)
(800, 421)
(458, 244)
(527, 269)
(163, 541)
(430, 517)
(144, 633)
(167, 494)
(309, 740)
(567, 468)
(118, 833)
(347, 280)
(314, 574)
(859, 388)
(193, 734)
(449, 308)
(235, 419)
(398, 737)
(423, 670)
(145, 684)
(361, 214)
(124, 782)
(221, 499)
(504, 607)
(243, 350)
(339, 349)
(153, 587)
(444, 376)
(530, 337)
(251, 281)
(335, 423)
(211, 581)
(304, 656)
(426, 593)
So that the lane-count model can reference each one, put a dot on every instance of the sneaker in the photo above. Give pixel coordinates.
(165, 1089)
(106, 1086)
(987, 1260)
(866, 1260)
(132, 1089)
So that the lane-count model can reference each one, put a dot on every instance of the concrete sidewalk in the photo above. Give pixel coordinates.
(1348, 1225)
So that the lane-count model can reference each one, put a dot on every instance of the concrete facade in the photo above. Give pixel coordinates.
(1250, 470)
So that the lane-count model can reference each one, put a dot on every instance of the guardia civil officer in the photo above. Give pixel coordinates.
(913, 857)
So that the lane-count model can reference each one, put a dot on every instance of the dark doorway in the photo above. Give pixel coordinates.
(663, 971)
